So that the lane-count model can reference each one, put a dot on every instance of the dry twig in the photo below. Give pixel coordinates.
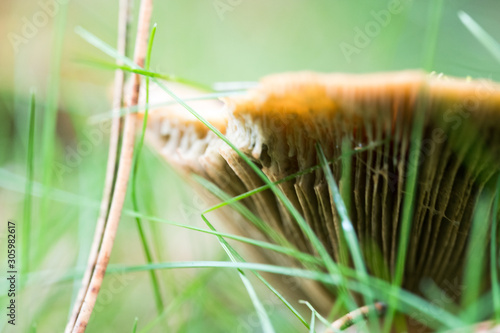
(125, 164)
(355, 316)
(111, 165)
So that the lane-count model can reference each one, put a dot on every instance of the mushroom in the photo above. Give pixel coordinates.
(278, 124)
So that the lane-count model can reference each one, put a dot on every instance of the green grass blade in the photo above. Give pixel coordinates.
(13, 182)
(51, 106)
(494, 253)
(147, 73)
(30, 168)
(347, 227)
(494, 48)
(408, 207)
(413, 162)
(411, 304)
(431, 38)
(48, 135)
(346, 190)
(315, 314)
(312, 328)
(134, 328)
(245, 212)
(264, 245)
(235, 257)
(480, 308)
(147, 251)
(474, 266)
(265, 322)
(485, 38)
(126, 110)
(72, 199)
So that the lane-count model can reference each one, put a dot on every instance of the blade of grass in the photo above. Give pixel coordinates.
(73, 199)
(494, 48)
(312, 328)
(408, 207)
(48, 135)
(264, 245)
(315, 314)
(482, 306)
(436, 316)
(30, 167)
(236, 257)
(234, 85)
(134, 328)
(436, 8)
(147, 73)
(485, 38)
(411, 303)
(245, 212)
(347, 227)
(135, 166)
(13, 182)
(265, 322)
(345, 179)
(495, 289)
(50, 114)
(123, 111)
(474, 266)
(148, 175)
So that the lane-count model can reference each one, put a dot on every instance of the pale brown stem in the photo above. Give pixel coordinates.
(355, 316)
(125, 165)
(123, 20)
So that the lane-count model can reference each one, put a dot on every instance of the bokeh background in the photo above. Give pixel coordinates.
(206, 41)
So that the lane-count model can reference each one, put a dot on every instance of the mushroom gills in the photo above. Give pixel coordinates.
(365, 121)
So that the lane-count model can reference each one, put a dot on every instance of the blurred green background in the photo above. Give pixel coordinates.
(206, 41)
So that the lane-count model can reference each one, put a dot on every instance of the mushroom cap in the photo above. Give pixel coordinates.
(279, 123)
